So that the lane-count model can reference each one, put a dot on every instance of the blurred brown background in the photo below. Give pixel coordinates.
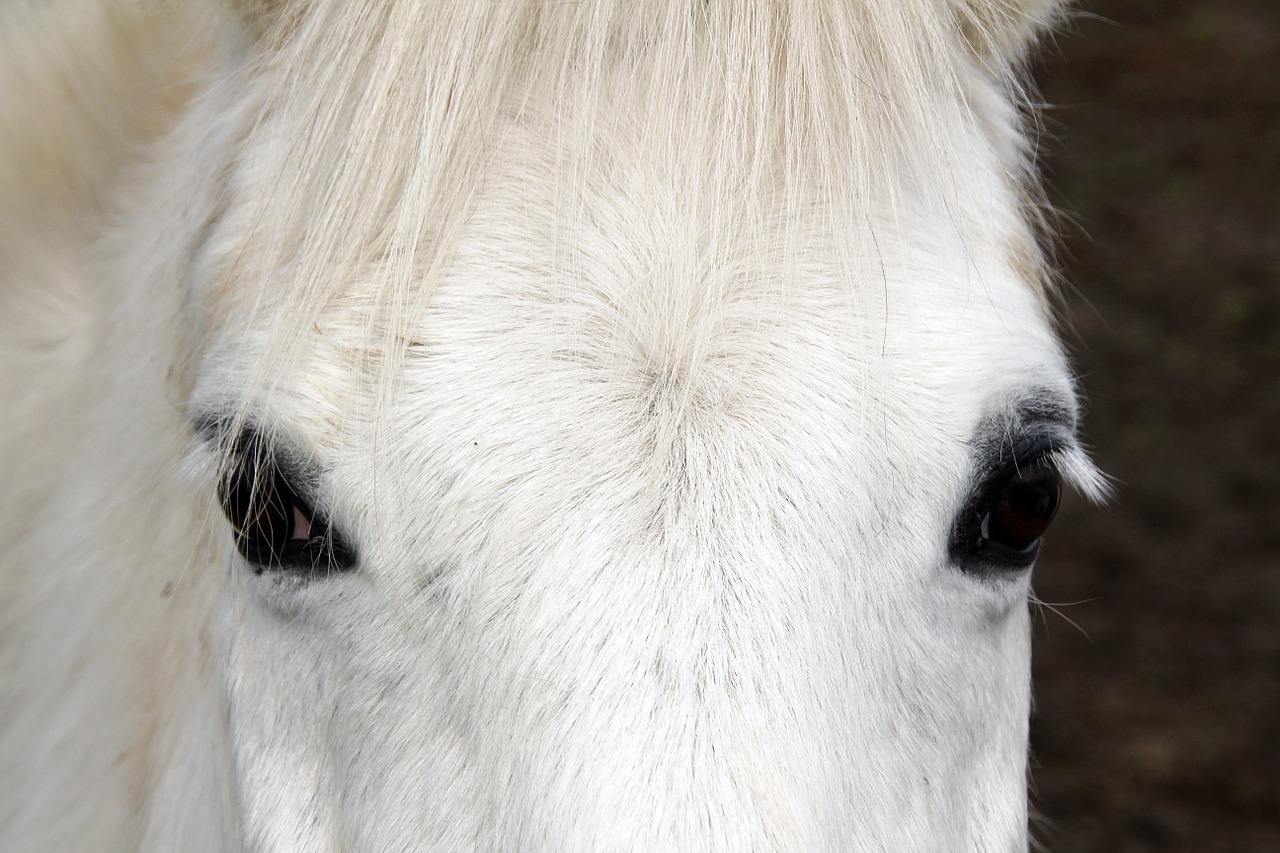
(1158, 717)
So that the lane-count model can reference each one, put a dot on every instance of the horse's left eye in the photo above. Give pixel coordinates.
(1001, 527)
(274, 528)
(1024, 507)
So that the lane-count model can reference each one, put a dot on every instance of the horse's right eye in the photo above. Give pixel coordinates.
(274, 528)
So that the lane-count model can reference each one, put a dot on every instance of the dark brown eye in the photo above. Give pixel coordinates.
(273, 527)
(999, 528)
(1024, 507)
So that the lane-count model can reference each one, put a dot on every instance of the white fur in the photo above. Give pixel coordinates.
(641, 347)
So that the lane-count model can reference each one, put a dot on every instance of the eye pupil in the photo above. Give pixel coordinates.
(1025, 507)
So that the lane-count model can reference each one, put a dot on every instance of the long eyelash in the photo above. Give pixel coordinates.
(1079, 472)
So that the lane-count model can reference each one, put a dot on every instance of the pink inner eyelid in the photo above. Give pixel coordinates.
(301, 525)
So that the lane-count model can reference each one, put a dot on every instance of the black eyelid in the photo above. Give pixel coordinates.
(232, 440)
(1030, 450)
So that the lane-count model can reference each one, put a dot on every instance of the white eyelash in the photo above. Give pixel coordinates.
(1079, 471)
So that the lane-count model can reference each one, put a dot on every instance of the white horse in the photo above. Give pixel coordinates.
(520, 426)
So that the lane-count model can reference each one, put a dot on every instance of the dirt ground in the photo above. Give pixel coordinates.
(1158, 712)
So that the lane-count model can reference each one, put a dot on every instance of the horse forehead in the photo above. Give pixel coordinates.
(670, 246)
(691, 311)
(677, 270)
(642, 258)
